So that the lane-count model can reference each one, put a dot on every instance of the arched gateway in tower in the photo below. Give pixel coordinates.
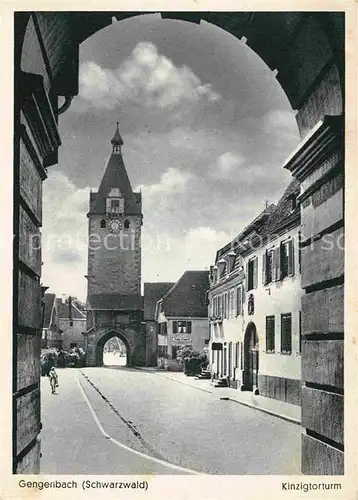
(114, 301)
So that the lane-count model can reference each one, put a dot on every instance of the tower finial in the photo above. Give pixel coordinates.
(117, 141)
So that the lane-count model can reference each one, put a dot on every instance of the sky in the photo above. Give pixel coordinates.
(206, 130)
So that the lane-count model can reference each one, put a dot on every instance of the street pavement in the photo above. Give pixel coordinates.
(157, 417)
(71, 441)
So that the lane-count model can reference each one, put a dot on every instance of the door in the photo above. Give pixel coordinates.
(251, 358)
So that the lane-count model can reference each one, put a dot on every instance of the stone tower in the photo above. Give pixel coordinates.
(114, 302)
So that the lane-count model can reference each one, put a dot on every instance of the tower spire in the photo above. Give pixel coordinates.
(117, 141)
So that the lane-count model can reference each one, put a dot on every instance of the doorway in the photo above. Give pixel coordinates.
(251, 359)
(114, 352)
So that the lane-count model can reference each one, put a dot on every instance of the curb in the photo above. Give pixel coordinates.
(292, 420)
(269, 412)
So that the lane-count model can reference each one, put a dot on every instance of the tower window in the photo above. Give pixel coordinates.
(126, 224)
(103, 223)
(114, 205)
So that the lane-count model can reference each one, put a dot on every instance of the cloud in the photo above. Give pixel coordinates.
(171, 181)
(282, 119)
(146, 78)
(64, 245)
(226, 166)
(195, 249)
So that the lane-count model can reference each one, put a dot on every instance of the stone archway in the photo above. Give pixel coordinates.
(251, 359)
(307, 50)
(101, 341)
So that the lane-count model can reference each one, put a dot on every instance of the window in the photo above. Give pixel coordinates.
(226, 305)
(237, 354)
(230, 260)
(163, 330)
(115, 205)
(286, 259)
(286, 333)
(71, 322)
(230, 359)
(239, 300)
(251, 274)
(294, 202)
(162, 351)
(175, 351)
(232, 303)
(126, 224)
(216, 308)
(220, 313)
(73, 344)
(268, 267)
(270, 333)
(181, 326)
(103, 223)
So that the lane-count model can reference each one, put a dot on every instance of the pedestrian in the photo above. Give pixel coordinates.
(213, 371)
(53, 379)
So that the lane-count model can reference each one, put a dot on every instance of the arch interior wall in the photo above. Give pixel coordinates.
(307, 50)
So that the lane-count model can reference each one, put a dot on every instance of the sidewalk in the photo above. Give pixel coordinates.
(286, 411)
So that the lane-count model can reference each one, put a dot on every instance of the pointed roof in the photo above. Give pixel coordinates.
(113, 301)
(115, 176)
(65, 313)
(152, 293)
(187, 298)
(49, 302)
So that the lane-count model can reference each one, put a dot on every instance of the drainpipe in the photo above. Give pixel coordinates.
(65, 105)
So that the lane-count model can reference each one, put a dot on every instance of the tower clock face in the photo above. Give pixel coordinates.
(114, 226)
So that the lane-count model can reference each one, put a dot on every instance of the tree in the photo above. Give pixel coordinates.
(75, 301)
(192, 360)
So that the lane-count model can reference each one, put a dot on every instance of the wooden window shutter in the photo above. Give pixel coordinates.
(255, 272)
(238, 301)
(291, 258)
(189, 327)
(276, 266)
(247, 276)
(175, 327)
(264, 273)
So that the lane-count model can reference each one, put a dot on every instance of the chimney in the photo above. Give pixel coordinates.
(70, 307)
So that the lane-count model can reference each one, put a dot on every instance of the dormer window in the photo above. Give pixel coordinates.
(115, 205)
(230, 259)
(294, 201)
(221, 267)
